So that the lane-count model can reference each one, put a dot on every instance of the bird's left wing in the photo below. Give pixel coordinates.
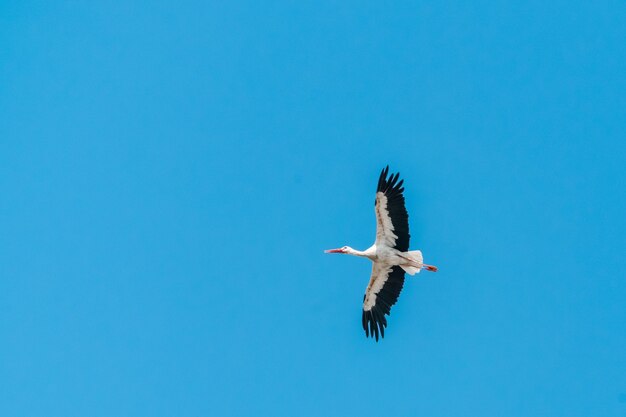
(392, 219)
(382, 292)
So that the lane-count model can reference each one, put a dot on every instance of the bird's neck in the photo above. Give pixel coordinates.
(362, 254)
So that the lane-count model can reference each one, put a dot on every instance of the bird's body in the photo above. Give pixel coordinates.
(390, 255)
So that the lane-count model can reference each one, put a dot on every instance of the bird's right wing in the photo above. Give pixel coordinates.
(382, 292)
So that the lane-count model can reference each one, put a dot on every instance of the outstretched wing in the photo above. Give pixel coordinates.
(382, 292)
(392, 220)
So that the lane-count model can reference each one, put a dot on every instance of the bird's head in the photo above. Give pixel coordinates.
(344, 249)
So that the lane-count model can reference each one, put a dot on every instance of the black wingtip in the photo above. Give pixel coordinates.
(385, 184)
(374, 323)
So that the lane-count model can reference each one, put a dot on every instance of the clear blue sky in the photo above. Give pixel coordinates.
(171, 172)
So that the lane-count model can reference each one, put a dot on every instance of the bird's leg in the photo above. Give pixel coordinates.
(430, 268)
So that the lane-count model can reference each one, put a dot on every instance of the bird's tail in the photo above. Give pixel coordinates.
(417, 260)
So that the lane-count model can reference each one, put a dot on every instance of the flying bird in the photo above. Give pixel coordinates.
(389, 253)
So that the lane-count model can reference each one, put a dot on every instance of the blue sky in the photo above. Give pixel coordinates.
(170, 174)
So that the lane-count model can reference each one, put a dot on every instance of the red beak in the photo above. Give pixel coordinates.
(334, 251)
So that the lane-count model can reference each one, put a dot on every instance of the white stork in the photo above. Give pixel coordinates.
(390, 255)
